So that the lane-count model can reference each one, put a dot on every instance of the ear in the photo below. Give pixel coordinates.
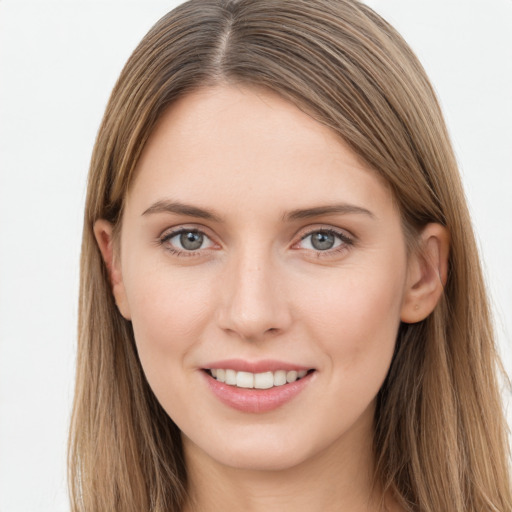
(103, 231)
(427, 273)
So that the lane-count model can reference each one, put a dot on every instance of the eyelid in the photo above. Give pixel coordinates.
(170, 233)
(179, 228)
(347, 239)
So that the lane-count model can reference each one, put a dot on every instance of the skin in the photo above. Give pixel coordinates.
(258, 289)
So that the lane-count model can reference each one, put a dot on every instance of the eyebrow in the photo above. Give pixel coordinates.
(181, 209)
(343, 208)
(166, 206)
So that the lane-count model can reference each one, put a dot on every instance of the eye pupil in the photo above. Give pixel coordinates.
(322, 240)
(191, 240)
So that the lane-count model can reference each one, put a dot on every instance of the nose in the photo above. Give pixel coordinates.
(254, 299)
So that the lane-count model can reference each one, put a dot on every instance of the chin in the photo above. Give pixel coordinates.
(259, 451)
(259, 459)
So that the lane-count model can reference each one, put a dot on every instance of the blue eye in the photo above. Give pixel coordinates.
(187, 240)
(324, 240)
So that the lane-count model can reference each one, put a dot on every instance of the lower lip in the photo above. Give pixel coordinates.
(256, 400)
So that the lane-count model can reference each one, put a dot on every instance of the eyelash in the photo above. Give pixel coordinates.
(345, 241)
(164, 241)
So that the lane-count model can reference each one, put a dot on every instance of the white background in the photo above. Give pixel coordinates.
(58, 63)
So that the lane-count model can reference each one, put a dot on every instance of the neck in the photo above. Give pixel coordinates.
(339, 478)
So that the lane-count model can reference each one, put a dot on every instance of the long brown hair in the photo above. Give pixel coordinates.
(440, 438)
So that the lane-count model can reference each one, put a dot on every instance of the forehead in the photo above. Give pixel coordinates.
(239, 145)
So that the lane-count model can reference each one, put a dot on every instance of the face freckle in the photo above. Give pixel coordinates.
(258, 178)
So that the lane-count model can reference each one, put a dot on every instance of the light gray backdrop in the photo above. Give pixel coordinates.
(58, 63)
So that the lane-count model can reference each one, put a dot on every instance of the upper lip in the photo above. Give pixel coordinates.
(266, 365)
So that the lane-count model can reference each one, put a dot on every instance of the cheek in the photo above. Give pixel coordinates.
(355, 321)
(169, 310)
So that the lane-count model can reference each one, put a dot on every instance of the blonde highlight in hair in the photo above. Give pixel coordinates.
(440, 438)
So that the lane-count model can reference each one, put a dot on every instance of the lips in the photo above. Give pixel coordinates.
(256, 387)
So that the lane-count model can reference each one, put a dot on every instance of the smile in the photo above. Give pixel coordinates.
(264, 380)
(240, 388)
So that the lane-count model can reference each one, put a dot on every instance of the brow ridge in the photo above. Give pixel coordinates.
(317, 211)
(167, 206)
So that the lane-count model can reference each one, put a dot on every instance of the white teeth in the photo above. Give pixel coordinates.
(231, 377)
(265, 380)
(291, 376)
(279, 378)
(244, 379)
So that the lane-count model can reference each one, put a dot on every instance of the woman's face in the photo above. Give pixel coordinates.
(255, 242)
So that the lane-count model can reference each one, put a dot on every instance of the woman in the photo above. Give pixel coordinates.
(281, 298)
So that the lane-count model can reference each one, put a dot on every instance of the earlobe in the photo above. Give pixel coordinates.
(426, 274)
(103, 232)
